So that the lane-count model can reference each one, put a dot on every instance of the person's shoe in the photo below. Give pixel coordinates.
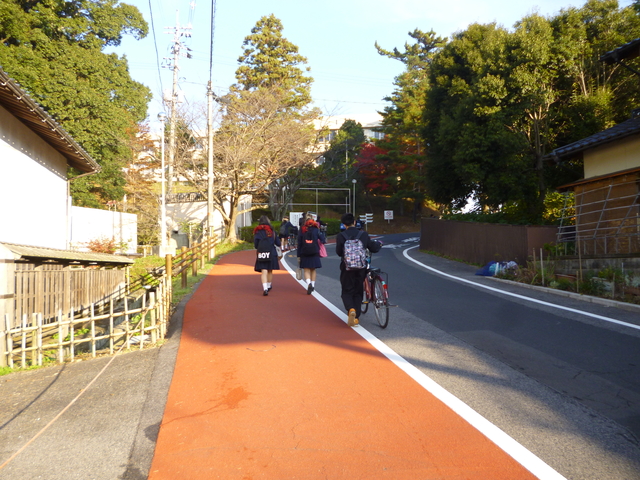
(352, 321)
(310, 289)
(265, 293)
(269, 289)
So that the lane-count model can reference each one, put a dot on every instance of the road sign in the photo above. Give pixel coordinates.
(367, 218)
(388, 214)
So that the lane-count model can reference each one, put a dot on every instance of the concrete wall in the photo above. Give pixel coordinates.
(33, 187)
(178, 213)
(481, 243)
(612, 157)
(91, 224)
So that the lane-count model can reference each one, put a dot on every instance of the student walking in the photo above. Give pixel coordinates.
(309, 251)
(265, 241)
(285, 229)
(352, 275)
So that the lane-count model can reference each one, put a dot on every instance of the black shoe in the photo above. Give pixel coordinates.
(265, 293)
(310, 289)
(269, 289)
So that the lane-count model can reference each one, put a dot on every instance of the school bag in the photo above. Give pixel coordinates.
(283, 228)
(264, 248)
(309, 244)
(354, 256)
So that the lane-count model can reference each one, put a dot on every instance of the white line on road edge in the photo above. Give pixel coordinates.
(521, 297)
(510, 446)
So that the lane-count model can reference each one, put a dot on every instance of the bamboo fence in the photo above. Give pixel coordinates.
(102, 327)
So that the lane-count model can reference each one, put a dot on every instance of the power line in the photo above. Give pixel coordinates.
(155, 44)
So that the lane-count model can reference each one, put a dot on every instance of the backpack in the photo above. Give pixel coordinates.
(309, 244)
(264, 248)
(355, 257)
(283, 229)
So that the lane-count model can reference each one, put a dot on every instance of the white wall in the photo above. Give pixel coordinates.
(33, 187)
(92, 224)
(197, 212)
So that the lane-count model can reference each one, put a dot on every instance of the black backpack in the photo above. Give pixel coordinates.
(264, 248)
(309, 245)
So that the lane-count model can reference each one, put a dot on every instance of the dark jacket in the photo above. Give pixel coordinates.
(351, 233)
(260, 232)
(287, 228)
(314, 260)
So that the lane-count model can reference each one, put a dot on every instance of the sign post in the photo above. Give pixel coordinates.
(366, 218)
(388, 215)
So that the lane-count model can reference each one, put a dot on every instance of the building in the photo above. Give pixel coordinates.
(606, 215)
(371, 124)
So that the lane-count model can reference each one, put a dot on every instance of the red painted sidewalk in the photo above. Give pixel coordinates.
(278, 387)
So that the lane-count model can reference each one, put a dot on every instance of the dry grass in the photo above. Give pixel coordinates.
(397, 225)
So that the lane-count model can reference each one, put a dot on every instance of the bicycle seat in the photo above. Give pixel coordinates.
(374, 269)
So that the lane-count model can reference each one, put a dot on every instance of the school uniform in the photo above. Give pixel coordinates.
(310, 261)
(260, 232)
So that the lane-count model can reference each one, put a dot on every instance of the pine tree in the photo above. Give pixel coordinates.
(270, 60)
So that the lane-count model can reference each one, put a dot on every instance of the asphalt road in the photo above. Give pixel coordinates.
(562, 382)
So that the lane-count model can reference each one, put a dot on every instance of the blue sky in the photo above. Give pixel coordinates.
(336, 36)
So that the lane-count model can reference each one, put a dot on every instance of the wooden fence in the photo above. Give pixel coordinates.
(134, 315)
(481, 243)
(49, 289)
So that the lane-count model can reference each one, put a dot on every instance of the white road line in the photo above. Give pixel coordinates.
(521, 297)
(510, 446)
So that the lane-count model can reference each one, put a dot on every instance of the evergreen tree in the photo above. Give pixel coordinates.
(270, 60)
(54, 50)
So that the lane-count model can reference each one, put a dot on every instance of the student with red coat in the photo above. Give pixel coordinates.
(309, 251)
(265, 241)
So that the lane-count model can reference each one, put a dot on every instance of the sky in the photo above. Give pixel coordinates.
(336, 36)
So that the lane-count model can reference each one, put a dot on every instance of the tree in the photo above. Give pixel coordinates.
(54, 50)
(258, 143)
(270, 60)
(339, 163)
(405, 153)
(499, 101)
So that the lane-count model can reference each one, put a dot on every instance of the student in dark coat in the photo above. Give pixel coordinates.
(352, 281)
(309, 263)
(266, 266)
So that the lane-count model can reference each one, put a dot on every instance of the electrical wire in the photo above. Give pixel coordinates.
(155, 44)
(213, 27)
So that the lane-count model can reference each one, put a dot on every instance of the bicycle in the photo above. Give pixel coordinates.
(376, 293)
(292, 239)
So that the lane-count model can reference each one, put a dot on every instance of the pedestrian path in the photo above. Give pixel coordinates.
(279, 387)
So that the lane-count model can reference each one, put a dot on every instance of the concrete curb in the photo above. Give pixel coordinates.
(577, 296)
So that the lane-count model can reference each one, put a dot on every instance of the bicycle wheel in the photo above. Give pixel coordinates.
(380, 302)
(366, 298)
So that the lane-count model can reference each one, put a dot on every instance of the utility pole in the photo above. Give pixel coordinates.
(210, 207)
(177, 50)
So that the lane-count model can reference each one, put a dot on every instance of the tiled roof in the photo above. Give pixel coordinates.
(21, 105)
(619, 131)
(27, 252)
(625, 52)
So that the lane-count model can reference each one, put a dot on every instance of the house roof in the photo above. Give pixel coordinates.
(627, 51)
(599, 178)
(21, 105)
(617, 132)
(40, 254)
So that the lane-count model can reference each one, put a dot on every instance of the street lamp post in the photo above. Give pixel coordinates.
(163, 206)
(354, 181)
